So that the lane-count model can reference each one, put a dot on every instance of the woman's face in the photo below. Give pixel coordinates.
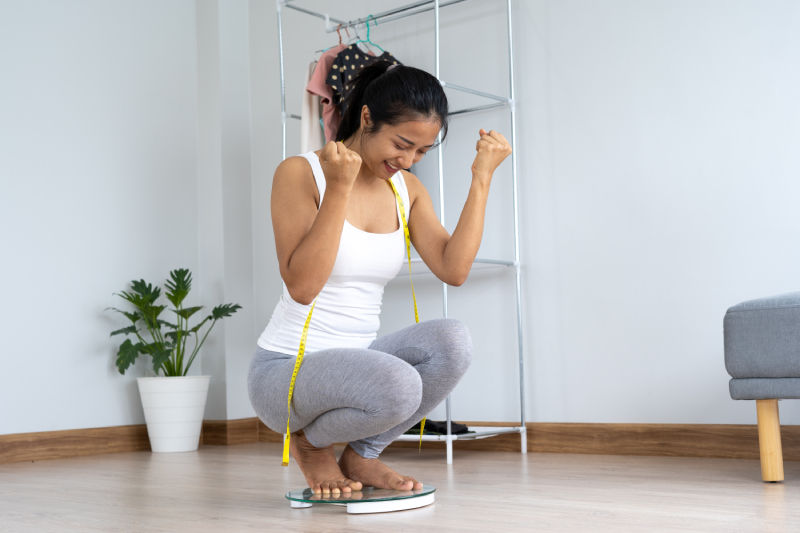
(391, 148)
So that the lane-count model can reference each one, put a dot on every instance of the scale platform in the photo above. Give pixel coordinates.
(366, 500)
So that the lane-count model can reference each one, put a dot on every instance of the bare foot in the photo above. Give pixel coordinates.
(319, 466)
(373, 473)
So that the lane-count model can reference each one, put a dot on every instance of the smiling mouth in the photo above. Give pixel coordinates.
(392, 167)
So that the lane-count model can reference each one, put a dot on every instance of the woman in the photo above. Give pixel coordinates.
(340, 239)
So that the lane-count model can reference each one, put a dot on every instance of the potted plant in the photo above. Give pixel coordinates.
(173, 402)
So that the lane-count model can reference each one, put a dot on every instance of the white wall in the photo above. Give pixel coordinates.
(662, 186)
(657, 187)
(98, 186)
(237, 196)
(657, 179)
(121, 157)
(225, 199)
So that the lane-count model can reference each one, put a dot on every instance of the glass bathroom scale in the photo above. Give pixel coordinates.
(366, 500)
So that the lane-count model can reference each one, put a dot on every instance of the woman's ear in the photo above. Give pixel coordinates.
(366, 120)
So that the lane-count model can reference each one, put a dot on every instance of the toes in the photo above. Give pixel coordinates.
(334, 487)
(415, 484)
(402, 484)
(355, 485)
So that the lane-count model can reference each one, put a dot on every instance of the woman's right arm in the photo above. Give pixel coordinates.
(307, 240)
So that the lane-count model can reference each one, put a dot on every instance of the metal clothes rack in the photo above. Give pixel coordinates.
(499, 101)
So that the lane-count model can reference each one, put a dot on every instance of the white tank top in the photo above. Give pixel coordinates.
(348, 307)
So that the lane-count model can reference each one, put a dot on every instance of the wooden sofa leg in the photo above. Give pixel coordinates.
(769, 440)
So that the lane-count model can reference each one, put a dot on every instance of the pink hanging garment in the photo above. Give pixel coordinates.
(311, 138)
(331, 116)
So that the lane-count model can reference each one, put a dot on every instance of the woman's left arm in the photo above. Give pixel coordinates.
(448, 256)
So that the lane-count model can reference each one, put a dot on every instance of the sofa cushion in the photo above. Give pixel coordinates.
(765, 389)
(762, 338)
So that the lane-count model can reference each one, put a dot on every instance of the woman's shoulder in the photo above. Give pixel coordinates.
(296, 175)
(413, 185)
(297, 163)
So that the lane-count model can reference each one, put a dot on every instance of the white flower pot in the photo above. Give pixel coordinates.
(173, 410)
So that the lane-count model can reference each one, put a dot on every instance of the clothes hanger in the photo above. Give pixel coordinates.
(353, 41)
(368, 41)
(339, 33)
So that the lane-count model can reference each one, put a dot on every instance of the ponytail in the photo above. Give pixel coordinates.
(393, 96)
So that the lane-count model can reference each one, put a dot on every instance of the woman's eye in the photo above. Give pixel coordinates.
(398, 147)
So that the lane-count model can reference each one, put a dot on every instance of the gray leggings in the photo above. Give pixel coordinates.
(367, 397)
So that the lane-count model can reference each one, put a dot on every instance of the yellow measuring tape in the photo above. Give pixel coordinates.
(297, 363)
(413, 294)
(303, 337)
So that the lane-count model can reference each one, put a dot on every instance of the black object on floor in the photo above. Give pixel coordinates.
(434, 427)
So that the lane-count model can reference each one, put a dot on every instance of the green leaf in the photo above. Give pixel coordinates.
(160, 356)
(136, 299)
(179, 287)
(148, 293)
(186, 313)
(198, 326)
(151, 348)
(129, 329)
(168, 324)
(133, 317)
(147, 348)
(150, 314)
(221, 311)
(127, 355)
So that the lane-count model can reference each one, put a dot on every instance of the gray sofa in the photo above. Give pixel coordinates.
(762, 356)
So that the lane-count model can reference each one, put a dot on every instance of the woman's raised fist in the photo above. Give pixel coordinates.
(492, 150)
(339, 165)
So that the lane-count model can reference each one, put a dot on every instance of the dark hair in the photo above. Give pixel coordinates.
(392, 96)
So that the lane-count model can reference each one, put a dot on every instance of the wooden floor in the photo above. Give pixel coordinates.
(241, 488)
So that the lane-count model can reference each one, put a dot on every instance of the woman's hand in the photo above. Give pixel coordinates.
(492, 150)
(450, 257)
(339, 165)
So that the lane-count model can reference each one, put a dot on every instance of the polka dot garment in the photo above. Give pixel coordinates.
(345, 67)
